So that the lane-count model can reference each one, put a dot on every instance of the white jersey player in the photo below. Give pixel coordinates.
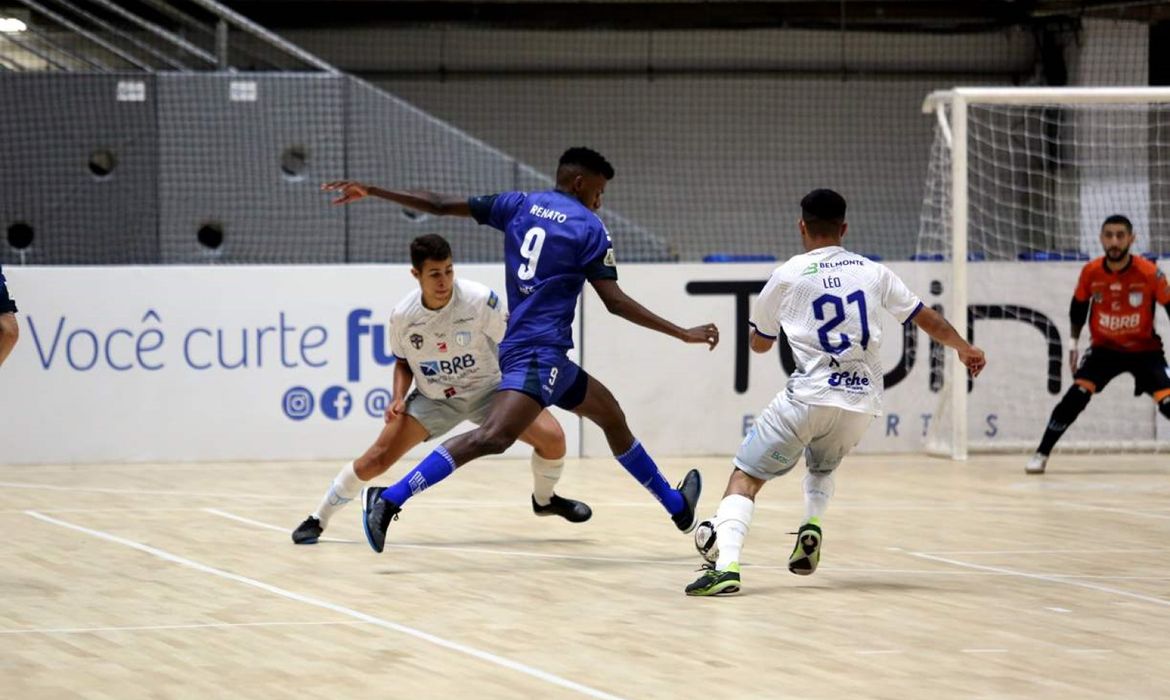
(828, 302)
(444, 336)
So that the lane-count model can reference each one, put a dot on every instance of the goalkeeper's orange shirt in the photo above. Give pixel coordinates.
(1122, 313)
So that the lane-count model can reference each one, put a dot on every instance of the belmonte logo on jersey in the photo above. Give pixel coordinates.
(812, 269)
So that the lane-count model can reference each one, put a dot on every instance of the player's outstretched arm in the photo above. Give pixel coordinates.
(938, 328)
(419, 200)
(620, 304)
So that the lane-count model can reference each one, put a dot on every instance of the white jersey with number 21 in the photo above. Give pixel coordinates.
(827, 302)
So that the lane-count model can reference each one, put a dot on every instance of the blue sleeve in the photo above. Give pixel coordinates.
(597, 259)
(496, 210)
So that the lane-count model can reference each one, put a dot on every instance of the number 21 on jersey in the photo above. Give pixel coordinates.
(530, 251)
(836, 304)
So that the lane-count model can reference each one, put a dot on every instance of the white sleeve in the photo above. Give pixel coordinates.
(765, 316)
(493, 318)
(897, 297)
(396, 323)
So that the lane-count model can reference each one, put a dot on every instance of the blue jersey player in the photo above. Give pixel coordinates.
(553, 243)
(9, 329)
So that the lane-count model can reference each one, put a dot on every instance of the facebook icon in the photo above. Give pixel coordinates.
(336, 403)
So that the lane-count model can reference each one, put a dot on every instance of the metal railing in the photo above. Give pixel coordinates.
(108, 36)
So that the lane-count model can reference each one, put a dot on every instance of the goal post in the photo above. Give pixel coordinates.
(1019, 182)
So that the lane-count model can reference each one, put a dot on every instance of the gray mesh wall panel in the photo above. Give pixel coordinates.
(223, 141)
(716, 164)
(393, 144)
(51, 127)
(632, 242)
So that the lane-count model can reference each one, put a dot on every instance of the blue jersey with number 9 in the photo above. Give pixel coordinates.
(552, 245)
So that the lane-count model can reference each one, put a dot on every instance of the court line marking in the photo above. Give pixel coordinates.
(1144, 513)
(467, 503)
(136, 492)
(668, 562)
(233, 516)
(1045, 577)
(471, 550)
(1040, 551)
(192, 626)
(349, 612)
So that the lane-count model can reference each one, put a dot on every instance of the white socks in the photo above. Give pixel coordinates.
(545, 475)
(732, 520)
(345, 487)
(818, 489)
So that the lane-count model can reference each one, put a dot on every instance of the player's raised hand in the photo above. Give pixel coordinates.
(708, 334)
(351, 190)
(974, 359)
(396, 408)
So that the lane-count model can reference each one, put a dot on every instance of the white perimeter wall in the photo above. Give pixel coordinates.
(124, 364)
(158, 388)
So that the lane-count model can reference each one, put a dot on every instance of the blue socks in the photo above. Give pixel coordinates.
(435, 467)
(642, 468)
(438, 465)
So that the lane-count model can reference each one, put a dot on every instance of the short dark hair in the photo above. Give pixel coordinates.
(1118, 219)
(823, 211)
(432, 246)
(588, 159)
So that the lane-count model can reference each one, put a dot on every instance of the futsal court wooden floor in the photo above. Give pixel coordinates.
(938, 580)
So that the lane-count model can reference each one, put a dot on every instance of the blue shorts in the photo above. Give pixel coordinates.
(545, 374)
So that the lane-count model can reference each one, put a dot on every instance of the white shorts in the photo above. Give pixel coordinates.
(439, 416)
(786, 428)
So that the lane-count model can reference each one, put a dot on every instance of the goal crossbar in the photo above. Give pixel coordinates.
(954, 128)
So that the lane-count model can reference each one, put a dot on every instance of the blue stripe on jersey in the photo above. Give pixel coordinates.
(761, 333)
(913, 313)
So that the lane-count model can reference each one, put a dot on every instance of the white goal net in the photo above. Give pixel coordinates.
(1019, 183)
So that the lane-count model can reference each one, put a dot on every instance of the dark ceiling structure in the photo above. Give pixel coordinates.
(869, 15)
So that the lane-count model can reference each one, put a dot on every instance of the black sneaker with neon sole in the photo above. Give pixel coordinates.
(716, 582)
(807, 552)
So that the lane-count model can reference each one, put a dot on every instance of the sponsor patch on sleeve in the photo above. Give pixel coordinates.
(493, 300)
(609, 259)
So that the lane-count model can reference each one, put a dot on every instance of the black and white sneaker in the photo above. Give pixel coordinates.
(376, 516)
(690, 487)
(806, 555)
(567, 508)
(308, 532)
